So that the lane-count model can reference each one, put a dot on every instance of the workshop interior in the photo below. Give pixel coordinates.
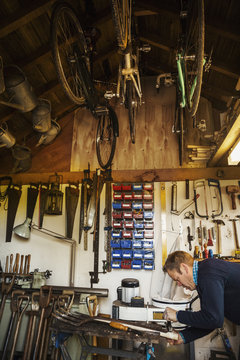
(119, 144)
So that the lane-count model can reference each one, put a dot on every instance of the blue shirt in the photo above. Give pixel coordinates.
(195, 272)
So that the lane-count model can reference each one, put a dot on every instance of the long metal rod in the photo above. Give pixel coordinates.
(67, 240)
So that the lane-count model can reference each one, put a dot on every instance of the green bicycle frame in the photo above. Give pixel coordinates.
(181, 75)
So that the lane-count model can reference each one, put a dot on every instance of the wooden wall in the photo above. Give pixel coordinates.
(156, 147)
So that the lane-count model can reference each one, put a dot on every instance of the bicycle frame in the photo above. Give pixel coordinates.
(128, 73)
(181, 59)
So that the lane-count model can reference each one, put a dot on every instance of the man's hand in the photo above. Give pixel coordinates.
(175, 342)
(170, 314)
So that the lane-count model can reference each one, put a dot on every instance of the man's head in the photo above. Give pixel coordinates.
(179, 266)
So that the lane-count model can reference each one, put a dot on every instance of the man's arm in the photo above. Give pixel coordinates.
(211, 315)
(191, 333)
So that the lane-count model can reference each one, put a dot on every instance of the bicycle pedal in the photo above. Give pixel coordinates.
(109, 95)
(145, 48)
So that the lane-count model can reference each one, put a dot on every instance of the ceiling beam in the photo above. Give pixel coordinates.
(161, 44)
(156, 175)
(232, 136)
(165, 8)
(23, 16)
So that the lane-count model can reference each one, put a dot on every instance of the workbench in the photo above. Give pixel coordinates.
(61, 331)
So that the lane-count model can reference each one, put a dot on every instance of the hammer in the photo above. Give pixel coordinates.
(235, 233)
(232, 190)
(219, 242)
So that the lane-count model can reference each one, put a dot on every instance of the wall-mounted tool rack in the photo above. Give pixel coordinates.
(132, 240)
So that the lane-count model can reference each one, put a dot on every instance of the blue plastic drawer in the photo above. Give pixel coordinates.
(137, 206)
(147, 244)
(126, 244)
(138, 225)
(137, 244)
(148, 215)
(116, 264)
(116, 205)
(138, 215)
(148, 264)
(138, 234)
(116, 234)
(127, 254)
(137, 264)
(137, 187)
(115, 243)
(116, 254)
(148, 255)
(138, 254)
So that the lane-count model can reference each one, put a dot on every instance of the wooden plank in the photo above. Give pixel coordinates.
(23, 16)
(157, 175)
(228, 142)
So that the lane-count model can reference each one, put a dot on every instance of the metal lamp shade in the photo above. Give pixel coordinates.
(23, 230)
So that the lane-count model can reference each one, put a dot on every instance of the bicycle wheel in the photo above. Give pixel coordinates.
(67, 36)
(105, 139)
(195, 49)
(131, 104)
(121, 11)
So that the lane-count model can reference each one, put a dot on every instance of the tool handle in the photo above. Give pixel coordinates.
(21, 265)
(118, 326)
(16, 263)
(11, 264)
(28, 263)
(6, 265)
(233, 201)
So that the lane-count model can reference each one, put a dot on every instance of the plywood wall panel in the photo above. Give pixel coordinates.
(156, 147)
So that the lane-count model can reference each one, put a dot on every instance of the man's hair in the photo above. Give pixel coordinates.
(175, 259)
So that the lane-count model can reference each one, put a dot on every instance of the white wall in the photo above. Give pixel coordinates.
(49, 253)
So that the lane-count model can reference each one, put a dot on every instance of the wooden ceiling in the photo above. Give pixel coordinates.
(25, 42)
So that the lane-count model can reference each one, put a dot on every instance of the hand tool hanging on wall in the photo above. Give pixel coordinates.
(14, 194)
(179, 212)
(44, 300)
(189, 238)
(97, 188)
(7, 284)
(6, 181)
(43, 192)
(54, 200)
(14, 308)
(187, 188)
(235, 233)
(22, 304)
(198, 184)
(219, 222)
(163, 221)
(108, 218)
(71, 196)
(24, 229)
(174, 197)
(31, 325)
(86, 190)
(215, 186)
(232, 190)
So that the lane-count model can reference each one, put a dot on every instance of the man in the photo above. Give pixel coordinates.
(218, 285)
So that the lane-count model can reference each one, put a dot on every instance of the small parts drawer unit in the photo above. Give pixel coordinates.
(132, 237)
